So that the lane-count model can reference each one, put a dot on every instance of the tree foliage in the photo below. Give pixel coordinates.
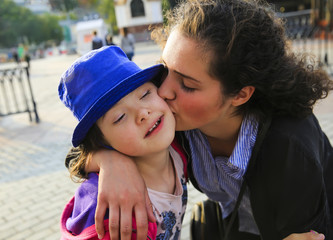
(106, 9)
(63, 5)
(19, 24)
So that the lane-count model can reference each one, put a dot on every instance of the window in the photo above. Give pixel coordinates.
(137, 8)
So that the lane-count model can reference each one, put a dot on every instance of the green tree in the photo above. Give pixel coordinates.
(165, 8)
(51, 29)
(9, 22)
(19, 24)
(63, 5)
(172, 3)
(107, 11)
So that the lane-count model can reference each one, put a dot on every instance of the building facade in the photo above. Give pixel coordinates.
(138, 15)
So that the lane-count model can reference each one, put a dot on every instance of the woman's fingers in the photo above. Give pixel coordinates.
(141, 220)
(306, 236)
(125, 222)
(317, 236)
(99, 217)
(114, 222)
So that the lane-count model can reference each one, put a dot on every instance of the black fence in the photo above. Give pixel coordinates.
(299, 24)
(309, 35)
(16, 94)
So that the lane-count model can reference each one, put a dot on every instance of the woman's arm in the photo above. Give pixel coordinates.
(122, 190)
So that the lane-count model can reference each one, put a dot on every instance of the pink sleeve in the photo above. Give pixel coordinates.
(87, 234)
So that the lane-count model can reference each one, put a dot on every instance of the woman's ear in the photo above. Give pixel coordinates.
(243, 96)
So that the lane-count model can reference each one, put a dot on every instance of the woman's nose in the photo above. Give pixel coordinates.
(166, 91)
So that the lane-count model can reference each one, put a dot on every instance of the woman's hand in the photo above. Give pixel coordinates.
(306, 236)
(122, 190)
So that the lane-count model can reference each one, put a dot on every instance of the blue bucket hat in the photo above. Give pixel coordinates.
(97, 81)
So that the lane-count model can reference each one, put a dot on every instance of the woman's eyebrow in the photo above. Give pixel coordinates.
(186, 76)
(181, 74)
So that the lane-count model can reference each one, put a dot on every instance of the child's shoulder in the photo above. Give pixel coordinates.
(88, 190)
(83, 206)
(179, 156)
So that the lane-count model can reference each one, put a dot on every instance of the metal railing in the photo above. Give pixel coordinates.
(16, 94)
(310, 36)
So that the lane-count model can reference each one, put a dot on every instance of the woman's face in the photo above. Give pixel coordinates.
(193, 95)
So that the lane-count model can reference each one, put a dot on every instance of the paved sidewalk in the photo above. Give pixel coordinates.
(34, 184)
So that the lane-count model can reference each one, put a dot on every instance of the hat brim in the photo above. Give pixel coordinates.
(102, 105)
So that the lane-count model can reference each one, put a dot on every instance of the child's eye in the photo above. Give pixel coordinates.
(119, 119)
(145, 94)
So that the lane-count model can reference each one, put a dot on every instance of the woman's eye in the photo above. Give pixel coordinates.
(119, 119)
(185, 88)
(145, 94)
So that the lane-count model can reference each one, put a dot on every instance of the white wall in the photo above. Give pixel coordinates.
(153, 14)
(84, 34)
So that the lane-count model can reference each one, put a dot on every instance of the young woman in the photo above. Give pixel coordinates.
(243, 103)
(118, 107)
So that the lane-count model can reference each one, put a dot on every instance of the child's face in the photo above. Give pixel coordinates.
(140, 123)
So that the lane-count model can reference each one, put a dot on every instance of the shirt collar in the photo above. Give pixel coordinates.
(246, 139)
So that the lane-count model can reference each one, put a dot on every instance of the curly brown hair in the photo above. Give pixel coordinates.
(248, 47)
(93, 141)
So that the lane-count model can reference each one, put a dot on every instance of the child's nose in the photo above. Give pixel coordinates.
(143, 114)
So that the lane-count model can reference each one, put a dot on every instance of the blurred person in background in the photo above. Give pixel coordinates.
(96, 41)
(127, 43)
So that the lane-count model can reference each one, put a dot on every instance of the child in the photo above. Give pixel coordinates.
(118, 107)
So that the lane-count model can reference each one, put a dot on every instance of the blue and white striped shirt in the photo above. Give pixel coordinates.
(220, 178)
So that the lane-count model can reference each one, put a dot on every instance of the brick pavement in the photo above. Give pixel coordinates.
(34, 184)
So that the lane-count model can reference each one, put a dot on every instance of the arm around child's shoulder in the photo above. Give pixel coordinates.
(78, 218)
